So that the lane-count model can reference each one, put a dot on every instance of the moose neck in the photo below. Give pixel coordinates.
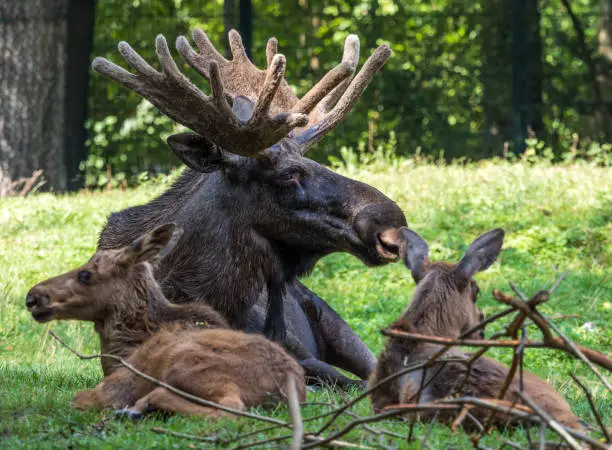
(236, 262)
(136, 314)
(235, 265)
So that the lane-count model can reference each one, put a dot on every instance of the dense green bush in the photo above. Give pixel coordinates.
(446, 90)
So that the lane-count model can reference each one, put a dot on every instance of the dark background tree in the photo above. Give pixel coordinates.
(32, 89)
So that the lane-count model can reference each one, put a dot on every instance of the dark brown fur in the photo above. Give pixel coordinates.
(186, 345)
(257, 213)
(444, 304)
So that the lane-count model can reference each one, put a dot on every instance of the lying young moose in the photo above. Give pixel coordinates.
(193, 350)
(444, 304)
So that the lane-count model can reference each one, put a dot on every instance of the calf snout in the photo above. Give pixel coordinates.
(37, 298)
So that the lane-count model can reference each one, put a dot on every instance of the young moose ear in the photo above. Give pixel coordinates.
(155, 244)
(480, 255)
(196, 151)
(414, 251)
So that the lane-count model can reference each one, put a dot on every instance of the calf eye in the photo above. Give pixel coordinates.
(84, 276)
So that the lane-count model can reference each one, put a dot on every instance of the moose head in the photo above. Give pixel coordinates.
(109, 284)
(444, 302)
(256, 146)
(256, 211)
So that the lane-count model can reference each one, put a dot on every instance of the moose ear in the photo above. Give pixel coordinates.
(196, 151)
(153, 245)
(414, 251)
(480, 255)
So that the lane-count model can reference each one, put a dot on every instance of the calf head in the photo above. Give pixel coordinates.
(252, 134)
(110, 280)
(444, 302)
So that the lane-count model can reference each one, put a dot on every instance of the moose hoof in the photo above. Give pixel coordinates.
(127, 413)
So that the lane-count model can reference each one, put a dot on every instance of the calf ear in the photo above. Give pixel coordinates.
(480, 255)
(153, 245)
(414, 251)
(196, 151)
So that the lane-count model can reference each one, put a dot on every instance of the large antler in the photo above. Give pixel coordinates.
(246, 129)
(322, 120)
(211, 116)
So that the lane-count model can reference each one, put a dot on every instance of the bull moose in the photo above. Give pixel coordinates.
(256, 212)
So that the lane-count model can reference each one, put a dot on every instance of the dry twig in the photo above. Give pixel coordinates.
(296, 415)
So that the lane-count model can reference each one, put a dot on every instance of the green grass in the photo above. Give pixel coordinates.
(556, 218)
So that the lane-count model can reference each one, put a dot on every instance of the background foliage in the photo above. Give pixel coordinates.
(447, 88)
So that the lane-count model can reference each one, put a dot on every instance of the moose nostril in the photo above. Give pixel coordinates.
(30, 300)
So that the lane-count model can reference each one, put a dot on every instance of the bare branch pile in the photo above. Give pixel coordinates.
(524, 408)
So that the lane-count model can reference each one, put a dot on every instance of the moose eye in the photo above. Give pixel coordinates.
(84, 276)
(475, 292)
(290, 176)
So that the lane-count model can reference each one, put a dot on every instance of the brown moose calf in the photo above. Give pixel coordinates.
(444, 304)
(117, 291)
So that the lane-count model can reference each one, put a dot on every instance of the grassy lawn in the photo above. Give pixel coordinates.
(556, 218)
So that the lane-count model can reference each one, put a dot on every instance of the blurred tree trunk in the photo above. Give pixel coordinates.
(604, 36)
(230, 21)
(498, 67)
(78, 52)
(32, 90)
(533, 43)
(496, 74)
(604, 48)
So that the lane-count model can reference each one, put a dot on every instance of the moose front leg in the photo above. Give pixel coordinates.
(343, 348)
(300, 342)
(275, 327)
(317, 371)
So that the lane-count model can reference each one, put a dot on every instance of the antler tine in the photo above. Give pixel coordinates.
(238, 50)
(165, 58)
(333, 78)
(271, 50)
(136, 61)
(359, 84)
(274, 76)
(207, 52)
(218, 93)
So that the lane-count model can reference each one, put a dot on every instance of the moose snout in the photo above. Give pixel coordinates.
(376, 225)
(36, 298)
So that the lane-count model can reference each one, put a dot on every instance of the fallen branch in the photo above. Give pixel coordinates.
(589, 397)
(194, 437)
(559, 429)
(411, 368)
(590, 355)
(23, 186)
